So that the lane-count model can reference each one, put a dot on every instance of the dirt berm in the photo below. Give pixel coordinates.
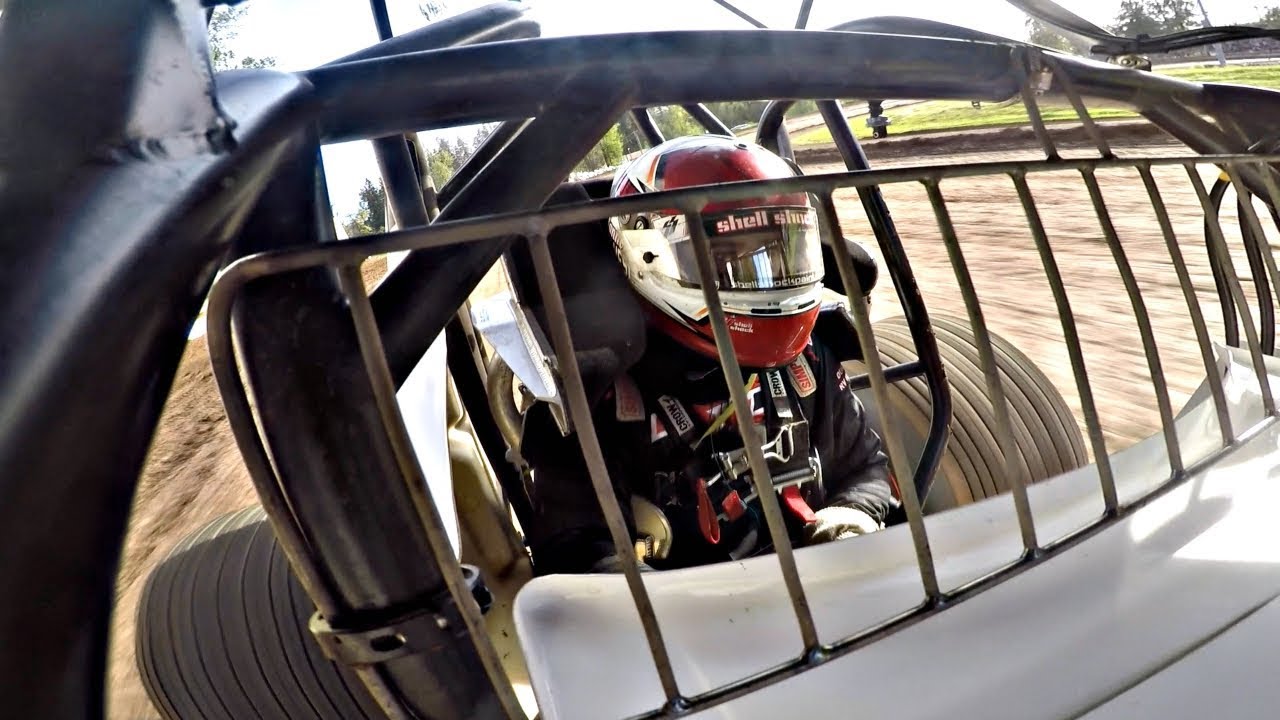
(924, 145)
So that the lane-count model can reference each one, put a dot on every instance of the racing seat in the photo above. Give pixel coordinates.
(605, 320)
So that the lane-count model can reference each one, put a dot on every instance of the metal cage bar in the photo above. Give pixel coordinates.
(802, 17)
(913, 306)
(1072, 335)
(1257, 238)
(1077, 104)
(580, 410)
(1269, 184)
(880, 391)
(1230, 320)
(1024, 65)
(986, 355)
(1143, 319)
(761, 477)
(647, 126)
(707, 119)
(1193, 303)
(240, 417)
(473, 230)
(384, 389)
(1219, 244)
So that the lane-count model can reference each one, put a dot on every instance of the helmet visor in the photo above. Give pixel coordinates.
(762, 249)
(759, 248)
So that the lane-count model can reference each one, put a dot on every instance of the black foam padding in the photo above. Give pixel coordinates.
(605, 320)
(835, 330)
(863, 265)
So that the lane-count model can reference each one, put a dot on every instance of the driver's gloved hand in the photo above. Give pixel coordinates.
(838, 523)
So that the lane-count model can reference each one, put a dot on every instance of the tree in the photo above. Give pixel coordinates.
(223, 28)
(674, 122)
(1045, 35)
(445, 159)
(371, 217)
(1270, 18)
(738, 113)
(632, 139)
(440, 165)
(608, 152)
(1153, 17)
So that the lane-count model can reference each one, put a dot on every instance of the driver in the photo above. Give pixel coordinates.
(666, 426)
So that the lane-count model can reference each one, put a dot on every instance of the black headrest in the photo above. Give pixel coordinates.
(863, 265)
(605, 320)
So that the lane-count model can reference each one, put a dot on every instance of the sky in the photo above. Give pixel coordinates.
(301, 34)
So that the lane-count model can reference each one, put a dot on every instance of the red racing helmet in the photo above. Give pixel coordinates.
(766, 252)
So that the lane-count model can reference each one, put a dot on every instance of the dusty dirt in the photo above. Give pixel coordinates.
(194, 472)
(1015, 295)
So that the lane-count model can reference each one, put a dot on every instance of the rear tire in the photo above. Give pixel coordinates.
(1048, 440)
(222, 633)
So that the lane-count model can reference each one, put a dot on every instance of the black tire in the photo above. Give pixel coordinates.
(1047, 438)
(222, 633)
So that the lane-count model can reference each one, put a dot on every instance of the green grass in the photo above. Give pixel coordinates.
(959, 115)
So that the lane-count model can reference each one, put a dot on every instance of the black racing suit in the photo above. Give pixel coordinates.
(647, 455)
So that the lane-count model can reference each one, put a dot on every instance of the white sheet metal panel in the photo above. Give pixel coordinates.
(1233, 675)
(1051, 642)
(421, 399)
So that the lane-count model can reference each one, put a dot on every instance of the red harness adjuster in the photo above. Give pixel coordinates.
(792, 499)
(707, 520)
(732, 506)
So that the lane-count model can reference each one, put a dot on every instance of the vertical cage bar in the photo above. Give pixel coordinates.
(1268, 174)
(1193, 304)
(908, 290)
(1261, 247)
(1230, 320)
(880, 391)
(1077, 103)
(400, 181)
(647, 126)
(1273, 195)
(384, 391)
(1233, 284)
(995, 387)
(1257, 266)
(580, 410)
(802, 17)
(1072, 336)
(707, 119)
(1142, 317)
(760, 475)
(381, 19)
(1033, 108)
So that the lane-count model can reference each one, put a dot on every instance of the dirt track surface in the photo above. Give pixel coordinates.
(194, 472)
(1011, 284)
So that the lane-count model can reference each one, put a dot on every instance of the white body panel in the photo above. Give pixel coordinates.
(422, 404)
(1061, 638)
